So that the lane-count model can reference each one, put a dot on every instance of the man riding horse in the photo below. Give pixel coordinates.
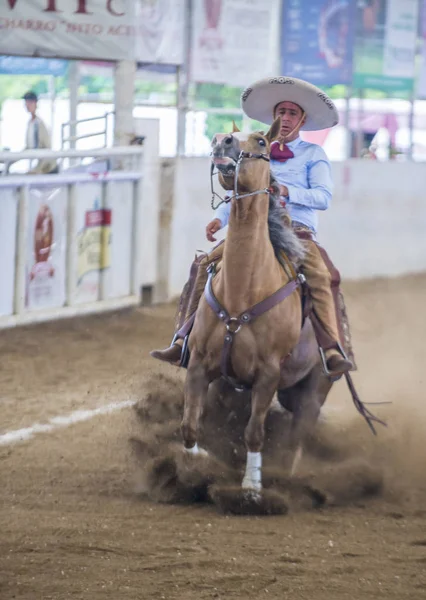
(303, 173)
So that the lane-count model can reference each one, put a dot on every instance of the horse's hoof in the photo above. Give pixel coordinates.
(250, 485)
(252, 495)
(237, 501)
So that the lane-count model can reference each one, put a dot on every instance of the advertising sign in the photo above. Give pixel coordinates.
(46, 247)
(234, 41)
(17, 65)
(92, 241)
(421, 84)
(385, 45)
(145, 31)
(317, 38)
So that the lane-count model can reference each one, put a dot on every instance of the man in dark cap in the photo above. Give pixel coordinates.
(37, 136)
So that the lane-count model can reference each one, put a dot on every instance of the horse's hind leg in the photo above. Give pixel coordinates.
(196, 386)
(305, 400)
(262, 395)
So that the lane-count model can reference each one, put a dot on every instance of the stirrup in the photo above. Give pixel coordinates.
(184, 360)
(324, 361)
(184, 356)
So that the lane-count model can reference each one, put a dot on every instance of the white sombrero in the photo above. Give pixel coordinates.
(259, 100)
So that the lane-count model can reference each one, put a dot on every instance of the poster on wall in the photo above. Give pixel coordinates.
(8, 217)
(234, 41)
(317, 38)
(93, 242)
(421, 84)
(385, 45)
(46, 247)
(145, 31)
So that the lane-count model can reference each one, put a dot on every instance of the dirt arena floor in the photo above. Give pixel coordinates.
(75, 525)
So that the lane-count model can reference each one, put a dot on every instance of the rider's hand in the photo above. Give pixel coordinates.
(284, 191)
(212, 228)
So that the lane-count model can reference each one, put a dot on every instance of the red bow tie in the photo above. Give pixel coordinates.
(281, 152)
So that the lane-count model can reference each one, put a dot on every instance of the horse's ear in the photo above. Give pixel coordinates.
(274, 131)
(234, 127)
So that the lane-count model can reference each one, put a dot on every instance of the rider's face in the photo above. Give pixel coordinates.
(31, 106)
(291, 115)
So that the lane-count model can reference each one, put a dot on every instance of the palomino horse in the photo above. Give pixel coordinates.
(264, 346)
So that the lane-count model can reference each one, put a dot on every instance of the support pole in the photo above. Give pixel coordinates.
(74, 82)
(124, 95)
(183, 81)
(360, 132)
(52, 98)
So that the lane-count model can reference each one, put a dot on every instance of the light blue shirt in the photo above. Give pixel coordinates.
(308, 179)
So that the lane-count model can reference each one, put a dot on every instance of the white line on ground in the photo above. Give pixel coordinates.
(21, 435)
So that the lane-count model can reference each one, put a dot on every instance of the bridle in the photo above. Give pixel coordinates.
(243, 155)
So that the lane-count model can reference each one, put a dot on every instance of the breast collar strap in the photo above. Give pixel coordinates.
(233, 324)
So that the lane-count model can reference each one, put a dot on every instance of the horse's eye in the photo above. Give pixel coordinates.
(262, 143)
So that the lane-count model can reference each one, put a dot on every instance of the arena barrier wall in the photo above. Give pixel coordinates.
(73, 243)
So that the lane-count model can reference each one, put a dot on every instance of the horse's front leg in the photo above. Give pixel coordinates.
(262, 395)
(196, 386)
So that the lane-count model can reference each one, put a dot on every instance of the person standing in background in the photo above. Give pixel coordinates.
(38, 137)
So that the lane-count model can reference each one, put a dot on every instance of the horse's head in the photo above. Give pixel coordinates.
(247, 149)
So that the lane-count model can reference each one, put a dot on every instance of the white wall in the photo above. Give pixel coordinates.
(191, 213)
(375, 227)
(150, 199)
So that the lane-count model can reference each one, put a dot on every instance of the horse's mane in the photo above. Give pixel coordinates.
(282, 237)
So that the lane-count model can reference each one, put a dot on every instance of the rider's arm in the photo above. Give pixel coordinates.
(318, 195)
(222, 213)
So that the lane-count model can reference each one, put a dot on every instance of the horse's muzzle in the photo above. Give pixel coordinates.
(225, 164)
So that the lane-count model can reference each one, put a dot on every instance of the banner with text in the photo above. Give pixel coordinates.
(234, 41)
(145, 31)
(385, 45)
(317, 38)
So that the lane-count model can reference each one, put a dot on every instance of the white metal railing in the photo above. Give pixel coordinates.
(70, 243)
(9, 158)
(72, 136)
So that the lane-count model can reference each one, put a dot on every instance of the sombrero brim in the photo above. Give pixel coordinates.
(259, 100)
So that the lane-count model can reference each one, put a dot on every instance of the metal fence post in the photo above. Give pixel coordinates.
(21, 251)
(70, 251)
